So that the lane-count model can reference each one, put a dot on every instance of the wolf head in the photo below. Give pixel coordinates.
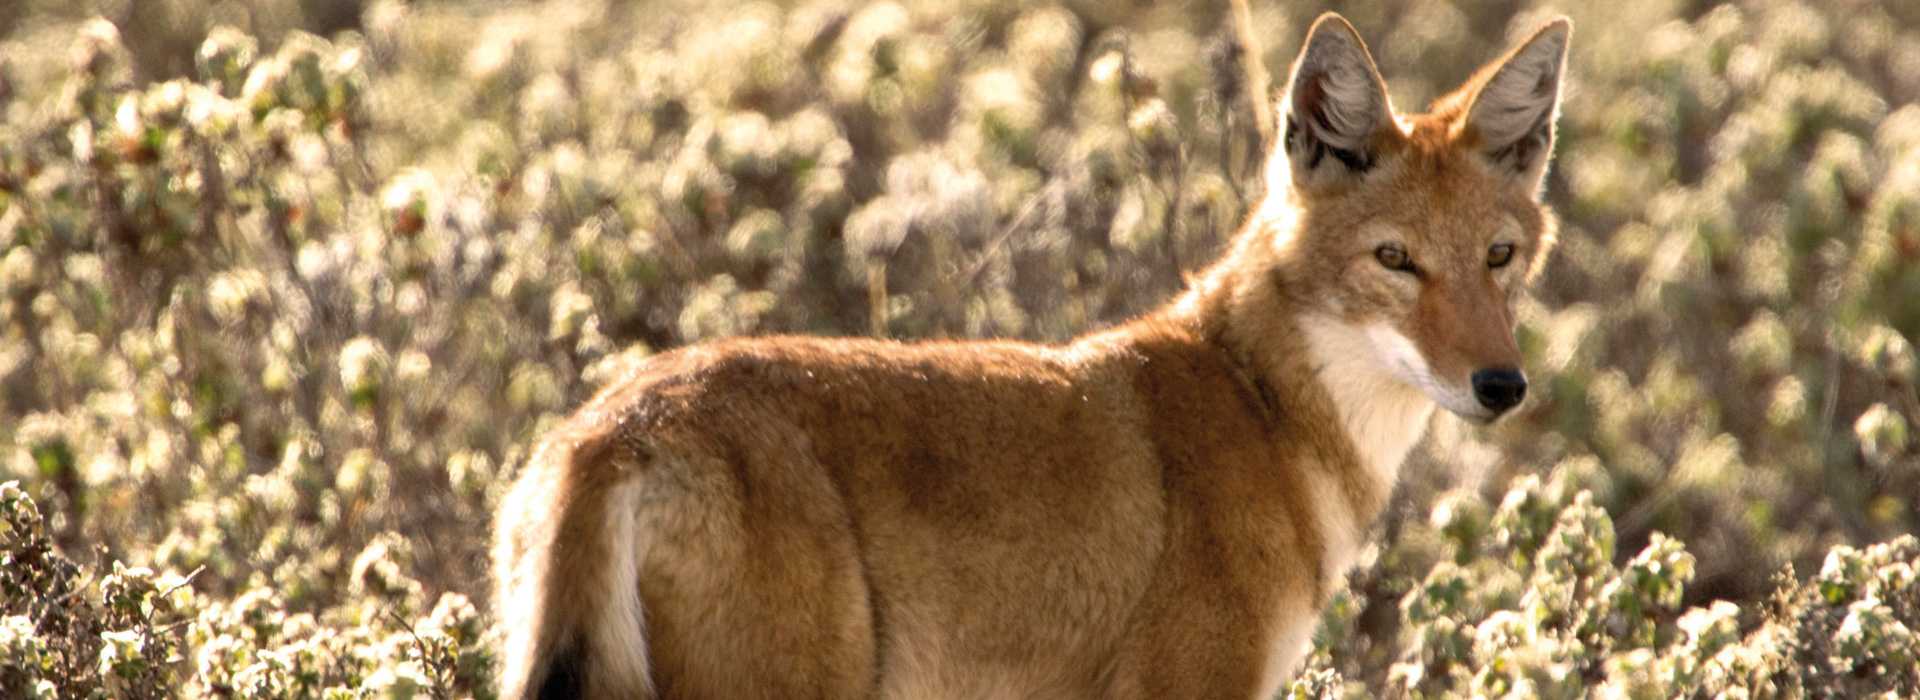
(1405, 239)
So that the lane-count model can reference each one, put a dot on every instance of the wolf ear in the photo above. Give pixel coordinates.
(1335, 104)
(1512, 113)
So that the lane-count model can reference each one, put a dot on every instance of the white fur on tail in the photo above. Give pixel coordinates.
(520, 581)
(606, 651)
(617, 637)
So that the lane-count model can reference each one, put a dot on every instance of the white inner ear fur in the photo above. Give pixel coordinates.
(1351, 102)
(1522, 93)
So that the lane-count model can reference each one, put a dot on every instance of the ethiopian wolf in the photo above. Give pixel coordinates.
(1155, 510)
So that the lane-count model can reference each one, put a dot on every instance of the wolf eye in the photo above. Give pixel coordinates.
(1394, 257)
(1499, 255)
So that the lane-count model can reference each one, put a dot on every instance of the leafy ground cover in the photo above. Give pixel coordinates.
(288, 288)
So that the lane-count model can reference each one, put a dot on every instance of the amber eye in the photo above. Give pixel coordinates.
(1394, 257)
(1499, 255)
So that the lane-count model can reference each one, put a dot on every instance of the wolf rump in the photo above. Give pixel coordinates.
(1153, 510)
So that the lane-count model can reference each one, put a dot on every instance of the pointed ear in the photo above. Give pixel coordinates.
(1335, 104)
(1512, 113)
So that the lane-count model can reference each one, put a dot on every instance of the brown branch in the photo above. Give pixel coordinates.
(877, 296)
(1170, 218)
(1258, 84)
(439, 689)
(1019, 220)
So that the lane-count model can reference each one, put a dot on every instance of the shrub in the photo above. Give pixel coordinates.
(287, 289)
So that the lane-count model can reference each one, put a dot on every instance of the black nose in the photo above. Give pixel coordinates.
(1499, 389)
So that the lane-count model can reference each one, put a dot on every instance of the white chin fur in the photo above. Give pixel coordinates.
(1405, 363)
(1381, 387)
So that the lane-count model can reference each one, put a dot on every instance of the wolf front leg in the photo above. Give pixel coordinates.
(1214, 632)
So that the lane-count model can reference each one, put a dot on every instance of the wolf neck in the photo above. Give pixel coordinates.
(1383, 417)
(1325, 372)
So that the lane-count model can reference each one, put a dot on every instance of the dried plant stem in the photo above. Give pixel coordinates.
(1170, 219)
(1258, 84)
(980, 262)
(953, 308)
(877, 296)
(439, 689)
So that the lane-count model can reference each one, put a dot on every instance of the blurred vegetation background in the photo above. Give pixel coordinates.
(289, 287)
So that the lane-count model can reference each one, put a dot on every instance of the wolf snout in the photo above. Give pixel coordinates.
(1499, 388)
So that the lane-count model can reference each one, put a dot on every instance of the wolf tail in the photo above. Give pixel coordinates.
(566, 575)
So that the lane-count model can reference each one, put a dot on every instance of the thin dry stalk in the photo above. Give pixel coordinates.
(1259, 84)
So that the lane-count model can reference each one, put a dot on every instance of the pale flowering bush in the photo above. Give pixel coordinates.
(1539, 610)
(288, 289)
(135, 633)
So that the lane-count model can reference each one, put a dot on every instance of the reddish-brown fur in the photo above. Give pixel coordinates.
(1154, 510)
